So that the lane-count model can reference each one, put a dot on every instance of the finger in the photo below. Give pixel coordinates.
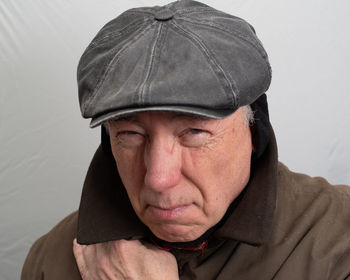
(79, 258)
(107, 262)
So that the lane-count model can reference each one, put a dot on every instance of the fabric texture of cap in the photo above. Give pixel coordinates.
(184, 57)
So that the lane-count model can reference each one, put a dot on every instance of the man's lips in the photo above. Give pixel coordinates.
(167, 213)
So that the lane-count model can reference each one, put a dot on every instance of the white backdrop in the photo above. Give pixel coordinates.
(46, 146)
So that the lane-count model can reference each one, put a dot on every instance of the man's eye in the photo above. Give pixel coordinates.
(129, 138)
(128, 132)
(195, 131)
(195, 137)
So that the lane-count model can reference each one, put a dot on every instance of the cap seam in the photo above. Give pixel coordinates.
(140, 11)
(148, 74)
(213, 63)
(94, 45)
(112, 63)
(193, 9)
(116, 33)
(157, 54)
(258, 47)
(211, 11)
(231, 32)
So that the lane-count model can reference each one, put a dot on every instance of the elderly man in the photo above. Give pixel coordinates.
(186, 183)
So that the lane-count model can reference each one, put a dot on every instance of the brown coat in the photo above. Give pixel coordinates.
(285, 226)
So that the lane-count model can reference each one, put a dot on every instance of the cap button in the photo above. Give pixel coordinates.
(164, 14)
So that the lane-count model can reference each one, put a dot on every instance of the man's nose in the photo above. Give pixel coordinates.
(163, 164)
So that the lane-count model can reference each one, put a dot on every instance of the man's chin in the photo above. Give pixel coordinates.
(177, 233)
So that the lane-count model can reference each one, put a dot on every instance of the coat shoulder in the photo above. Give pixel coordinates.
(51, 256)
(306, 193)
(312, 222)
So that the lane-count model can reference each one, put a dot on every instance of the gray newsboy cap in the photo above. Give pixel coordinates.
(183, 57)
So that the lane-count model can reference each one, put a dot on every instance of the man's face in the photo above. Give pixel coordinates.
(181, 172)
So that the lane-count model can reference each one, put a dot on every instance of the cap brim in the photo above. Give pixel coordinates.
(202, 112)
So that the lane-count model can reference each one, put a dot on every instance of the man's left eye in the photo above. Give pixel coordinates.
(194, 137)
(195, 131)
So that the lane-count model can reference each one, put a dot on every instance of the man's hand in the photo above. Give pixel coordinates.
(123, 259)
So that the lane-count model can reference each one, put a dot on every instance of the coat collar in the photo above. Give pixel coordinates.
(105, 212)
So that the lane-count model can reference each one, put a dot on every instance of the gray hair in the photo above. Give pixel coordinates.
(249, 114)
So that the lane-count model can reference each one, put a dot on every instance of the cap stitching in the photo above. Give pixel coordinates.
(156, 60)
(231, 32)
(258, 47)
(148, 74)
(116, 33)
(194, 9)
(213, 62)
(112, 62)
(93, 45)
(140, 11)
(210, 10)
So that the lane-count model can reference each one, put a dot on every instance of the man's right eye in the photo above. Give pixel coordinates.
(129, 138)
(128, 132)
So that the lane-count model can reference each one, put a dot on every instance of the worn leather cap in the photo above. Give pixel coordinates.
(183, 57)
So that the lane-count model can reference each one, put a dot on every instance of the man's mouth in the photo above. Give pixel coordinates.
(167, 213)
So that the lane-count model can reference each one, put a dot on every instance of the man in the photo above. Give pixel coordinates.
(186, 183)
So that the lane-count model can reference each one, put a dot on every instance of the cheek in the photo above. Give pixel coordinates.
(221, 173)
(131, 171)
(129, 161)
(206, 174)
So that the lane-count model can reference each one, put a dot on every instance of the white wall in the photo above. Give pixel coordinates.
(46, 146)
